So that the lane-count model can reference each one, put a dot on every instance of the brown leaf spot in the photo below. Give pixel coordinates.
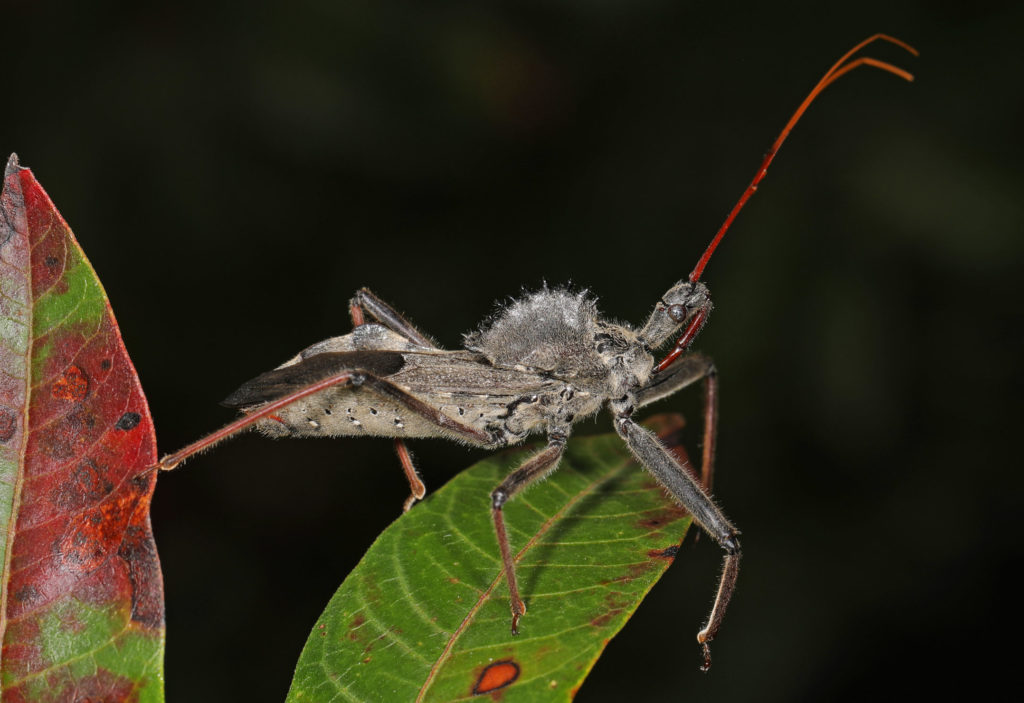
(660, 518)
(128, 421)
(90, 537)
(605, 618)
(497, 675)
(100, 687)
(73, 385)
(8, 424)
(86, 486)
(666, 553)
(26, 594)
(139, 552)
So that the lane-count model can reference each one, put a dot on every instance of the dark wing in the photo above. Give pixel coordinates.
(288, 379)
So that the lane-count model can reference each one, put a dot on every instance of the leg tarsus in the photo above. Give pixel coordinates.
(726, 586)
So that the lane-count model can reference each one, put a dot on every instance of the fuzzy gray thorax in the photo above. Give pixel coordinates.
(560, 333)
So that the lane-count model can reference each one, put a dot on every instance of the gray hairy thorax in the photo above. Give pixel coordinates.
(561, 333)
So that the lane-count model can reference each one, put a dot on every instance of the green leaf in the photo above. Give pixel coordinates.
(81, 595)
(425, 614)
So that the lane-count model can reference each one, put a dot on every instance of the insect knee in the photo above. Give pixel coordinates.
(498, 498)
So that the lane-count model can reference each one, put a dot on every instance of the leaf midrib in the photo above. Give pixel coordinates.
(19, 481)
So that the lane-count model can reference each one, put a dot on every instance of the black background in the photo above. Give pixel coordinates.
(235, 170)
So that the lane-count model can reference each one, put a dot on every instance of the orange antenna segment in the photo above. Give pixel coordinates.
(839, 69)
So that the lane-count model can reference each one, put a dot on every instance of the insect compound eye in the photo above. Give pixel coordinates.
(677, 312)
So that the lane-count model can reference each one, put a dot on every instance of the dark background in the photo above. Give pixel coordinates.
(234, 171)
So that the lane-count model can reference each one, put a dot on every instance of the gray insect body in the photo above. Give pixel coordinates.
(545, 360)
(542, 363)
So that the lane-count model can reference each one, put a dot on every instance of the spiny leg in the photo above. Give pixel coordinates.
(366, 301)
(536, 467)
(416, 486)
(656, 459)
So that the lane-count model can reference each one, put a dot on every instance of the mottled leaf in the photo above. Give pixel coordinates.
(81, 605)
(425, 614)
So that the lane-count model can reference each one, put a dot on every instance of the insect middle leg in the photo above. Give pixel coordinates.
(537, 467)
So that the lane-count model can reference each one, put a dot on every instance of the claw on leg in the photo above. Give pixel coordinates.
(707, 658)
(518, 610)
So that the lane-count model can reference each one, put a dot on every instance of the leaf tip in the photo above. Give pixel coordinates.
(12, 164)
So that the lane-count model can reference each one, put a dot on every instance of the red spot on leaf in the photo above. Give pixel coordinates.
(497, 675)
(72, 385)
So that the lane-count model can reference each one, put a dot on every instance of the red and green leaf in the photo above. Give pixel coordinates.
(81, 595)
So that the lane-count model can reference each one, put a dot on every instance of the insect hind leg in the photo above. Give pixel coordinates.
(354, 377)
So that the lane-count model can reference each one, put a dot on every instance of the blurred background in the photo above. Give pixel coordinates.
(235, 171)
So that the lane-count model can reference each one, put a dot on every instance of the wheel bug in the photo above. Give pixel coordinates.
(542, 363)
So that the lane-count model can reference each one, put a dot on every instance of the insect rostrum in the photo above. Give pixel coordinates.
(543, 362)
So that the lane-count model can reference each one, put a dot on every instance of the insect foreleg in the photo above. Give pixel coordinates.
(686, 371)
(366, 301)
(538, 466)
(656, 459)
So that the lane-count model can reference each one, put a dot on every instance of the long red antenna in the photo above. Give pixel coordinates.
(838, 70)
